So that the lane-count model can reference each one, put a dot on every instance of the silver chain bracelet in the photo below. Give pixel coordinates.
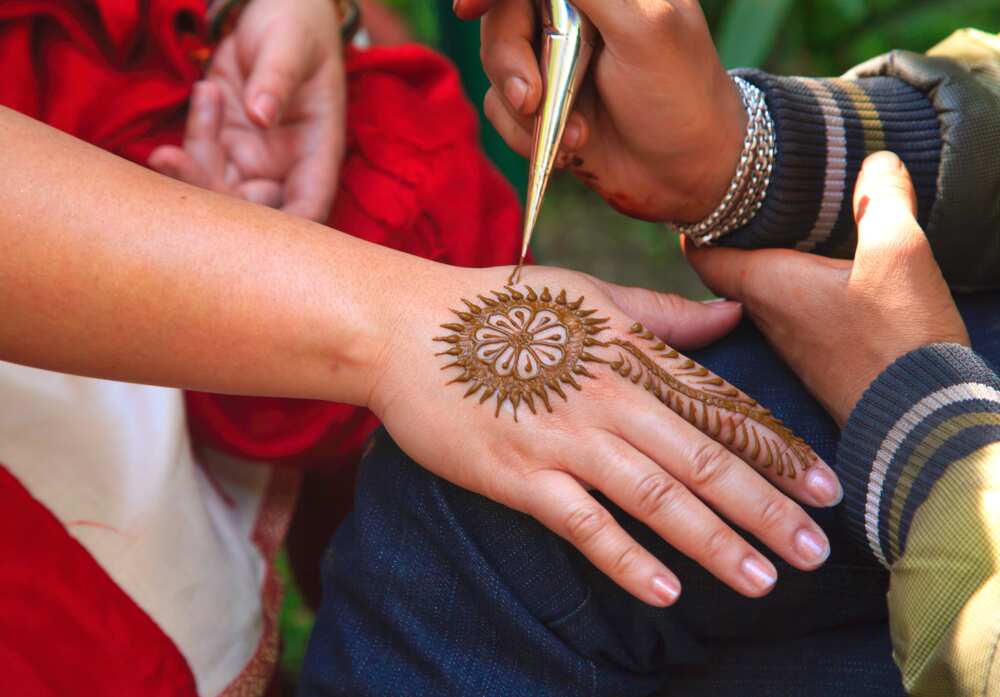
(753, 173)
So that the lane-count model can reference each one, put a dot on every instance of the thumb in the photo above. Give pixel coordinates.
(682, 323)
(885, 208)
(279, 68)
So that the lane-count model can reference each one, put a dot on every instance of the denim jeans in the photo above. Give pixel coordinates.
(433, 591)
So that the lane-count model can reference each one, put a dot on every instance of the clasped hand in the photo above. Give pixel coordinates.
(267, 122)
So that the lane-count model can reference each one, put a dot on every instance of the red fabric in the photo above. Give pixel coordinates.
(118, 73)
(415, 179)
(66, 628)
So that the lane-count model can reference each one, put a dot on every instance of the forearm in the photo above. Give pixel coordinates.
(920, 462)
(112, 271)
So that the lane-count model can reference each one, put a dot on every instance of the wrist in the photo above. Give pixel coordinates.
(748, 187)
(715, 161)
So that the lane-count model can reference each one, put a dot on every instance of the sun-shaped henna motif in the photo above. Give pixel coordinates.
(518, 346)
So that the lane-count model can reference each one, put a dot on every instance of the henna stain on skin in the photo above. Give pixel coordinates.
(523, 347)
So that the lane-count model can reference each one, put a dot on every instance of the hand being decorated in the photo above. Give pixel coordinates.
(535, 394)
(267, 123)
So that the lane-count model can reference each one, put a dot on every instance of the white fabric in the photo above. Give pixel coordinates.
(113, 462)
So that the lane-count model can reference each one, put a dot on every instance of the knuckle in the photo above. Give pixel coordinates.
(710, 464)
(627, 561)
(663, 17)
(718, 543)
(657, 493)
(775, 511)
(584, 524)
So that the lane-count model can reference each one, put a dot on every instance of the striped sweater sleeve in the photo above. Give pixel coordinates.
(939, 112)
(920, 463)
(825, 128)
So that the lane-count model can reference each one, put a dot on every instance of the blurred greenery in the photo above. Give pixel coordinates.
(577, 230)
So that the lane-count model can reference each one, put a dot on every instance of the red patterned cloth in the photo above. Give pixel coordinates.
(118, 73)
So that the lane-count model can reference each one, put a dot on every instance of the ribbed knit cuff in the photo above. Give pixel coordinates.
(825, 129)
(931, 408)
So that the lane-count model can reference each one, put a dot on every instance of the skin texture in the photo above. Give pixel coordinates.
(128, 275)
(267, 123)
(656, 102)
(892, 299)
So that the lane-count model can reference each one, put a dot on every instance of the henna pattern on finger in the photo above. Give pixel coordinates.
(523, 347)
(711, 404)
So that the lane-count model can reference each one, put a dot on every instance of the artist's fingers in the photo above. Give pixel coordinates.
(729, 485)
(643, 28)
(473, 9)
(517, 131)
(682, 323)
(512, 129)
(559, 503)
(508, 54)
(652, 495)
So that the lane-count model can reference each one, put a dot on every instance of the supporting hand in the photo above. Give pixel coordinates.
(267, 124)
(840, 324)
(659, 126)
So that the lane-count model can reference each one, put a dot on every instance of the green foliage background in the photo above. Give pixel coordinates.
(801, 37)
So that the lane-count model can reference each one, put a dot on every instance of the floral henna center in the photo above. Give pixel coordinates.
(521, 347)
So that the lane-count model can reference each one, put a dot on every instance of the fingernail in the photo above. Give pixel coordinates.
(884, 161)
(723, 304)
(825, 487)
(516, 91)
(761, 575)
(265, 106)
(812, 548)
(666, 590)
(572, 137)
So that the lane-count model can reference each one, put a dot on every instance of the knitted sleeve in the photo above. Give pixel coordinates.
(920, 463)
(939, 112)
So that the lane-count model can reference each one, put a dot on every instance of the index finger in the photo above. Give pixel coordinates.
(508, 53)
(473, 9)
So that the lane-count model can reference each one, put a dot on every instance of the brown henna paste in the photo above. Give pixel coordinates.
(523, 347)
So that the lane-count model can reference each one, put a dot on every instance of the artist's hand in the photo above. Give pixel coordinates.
(840, 324)
(613, 431)
(267, 123)
(659, 126)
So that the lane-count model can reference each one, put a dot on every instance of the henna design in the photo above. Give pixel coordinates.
(712, 405)
(521, 346)
(518, 347)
